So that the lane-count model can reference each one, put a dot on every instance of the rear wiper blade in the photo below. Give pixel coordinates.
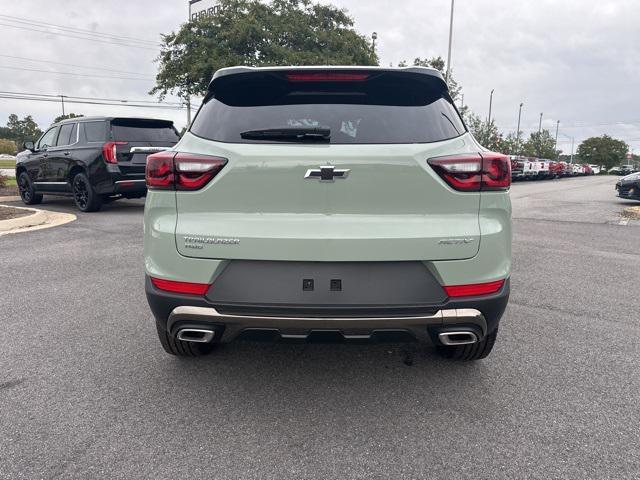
(294, 134)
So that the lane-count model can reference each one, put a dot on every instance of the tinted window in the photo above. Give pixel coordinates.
(95, 131)
(142, 133)
(387, 109)
(67, 134)
(48, 139)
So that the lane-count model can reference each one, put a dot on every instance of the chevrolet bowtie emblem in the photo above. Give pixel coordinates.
(327, 173)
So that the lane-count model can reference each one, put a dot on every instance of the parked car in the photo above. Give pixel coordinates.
(531, 169)
(627, 169)
(629, 187)
(577, 169)
(517, 167)
(555, 169)
(595, 169)
(586, 170)
(318, 208)
(94, 159)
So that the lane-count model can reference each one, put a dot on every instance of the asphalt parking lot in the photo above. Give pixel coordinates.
(87, 392)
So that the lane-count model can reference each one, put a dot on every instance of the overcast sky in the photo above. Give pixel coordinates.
(577, 61)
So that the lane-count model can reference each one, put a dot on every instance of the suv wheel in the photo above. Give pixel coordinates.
(179, 348)
(475, 351)
(87, 200)
(27, 192)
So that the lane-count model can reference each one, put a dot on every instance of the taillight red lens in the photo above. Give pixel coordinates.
(474, 172)
(496, 171)
(462, 172)
(181, 171)
(109, 151)
(159, 172)
(474, 290)
(195, 171)
(327, 76)
(180, 287)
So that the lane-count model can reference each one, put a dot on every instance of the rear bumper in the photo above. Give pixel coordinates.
(480, 315)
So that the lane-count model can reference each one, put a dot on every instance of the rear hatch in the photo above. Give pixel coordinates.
(366, 193)
(135, 138)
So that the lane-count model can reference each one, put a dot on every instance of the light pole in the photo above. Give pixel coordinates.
(555, 147)
(540, 125)
(490, 104)
(374, 37)
(62, 100)
(446, 78)
(518, 130)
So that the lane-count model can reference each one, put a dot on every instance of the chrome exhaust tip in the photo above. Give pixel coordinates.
(460, 337)
(195, 335)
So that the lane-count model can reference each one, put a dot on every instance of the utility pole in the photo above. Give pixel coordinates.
(462, 101)
(188, 102)
(374, 37)
(446, 77)
(518, 130)
(490, 104)
(62, 100)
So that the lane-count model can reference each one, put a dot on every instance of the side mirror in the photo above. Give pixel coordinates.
(29, 146)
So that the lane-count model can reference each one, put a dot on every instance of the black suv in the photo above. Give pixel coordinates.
(94, 159)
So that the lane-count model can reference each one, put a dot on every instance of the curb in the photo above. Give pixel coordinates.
(40, 219)
(10, 199)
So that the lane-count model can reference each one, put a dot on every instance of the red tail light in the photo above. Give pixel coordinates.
(109, 151)
(328, 76)
(474, 172)
(474, 289)
(181, 171)
(180, 287)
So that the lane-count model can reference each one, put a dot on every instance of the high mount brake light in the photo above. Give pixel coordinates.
(327, 76)
(474, 172)
(474, 290)
(109, 151)
(181, 171)
(180, 287)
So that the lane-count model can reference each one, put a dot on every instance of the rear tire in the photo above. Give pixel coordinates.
(466, 353)
(86, 198)
(179, 348)
(27, 191)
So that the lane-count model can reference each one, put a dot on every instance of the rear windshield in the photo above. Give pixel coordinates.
(387, 109)
(144, 132)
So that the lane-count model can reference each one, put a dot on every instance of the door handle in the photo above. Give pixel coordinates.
(45, 155)
(67, 153)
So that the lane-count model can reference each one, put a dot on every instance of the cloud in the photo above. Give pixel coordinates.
(574, 60)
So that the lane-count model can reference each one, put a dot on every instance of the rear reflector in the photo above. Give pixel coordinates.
(180, 287)
(327, 76)
(109, 151)
(474, 172)
(474, 290)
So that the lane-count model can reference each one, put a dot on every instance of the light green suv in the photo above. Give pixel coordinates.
(337, 203)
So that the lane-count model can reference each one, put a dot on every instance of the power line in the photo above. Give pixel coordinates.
(6, 67)
(38, 23)
(89, 98)
(99, 40)
(73, 65)
(93, 100)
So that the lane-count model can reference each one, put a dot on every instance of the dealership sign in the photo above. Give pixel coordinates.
(203, 8)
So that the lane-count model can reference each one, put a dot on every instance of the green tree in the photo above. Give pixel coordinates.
(540, 145)
(511, 145)
(486, 133)
(253, 33)
(67, 116)
(23, 130)
(603, 150)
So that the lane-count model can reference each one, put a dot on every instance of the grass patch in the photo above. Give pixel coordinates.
(7, 164)
(11, 182)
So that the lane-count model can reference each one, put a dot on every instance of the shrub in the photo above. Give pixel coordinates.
(3, 180)
(8, 147)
